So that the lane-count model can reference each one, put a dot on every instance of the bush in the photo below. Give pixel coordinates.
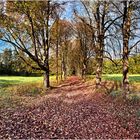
(115, 93)
(133, 98)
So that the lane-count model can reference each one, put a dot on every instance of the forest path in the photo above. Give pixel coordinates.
(72, 110)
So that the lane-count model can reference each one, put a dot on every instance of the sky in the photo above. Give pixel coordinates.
(4, 45)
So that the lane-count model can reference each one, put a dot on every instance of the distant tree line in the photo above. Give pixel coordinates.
(111, 68)
(12, 64)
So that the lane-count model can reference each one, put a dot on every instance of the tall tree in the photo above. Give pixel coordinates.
(85, 44)
(62, 33)
(27, 26)
(127, 13)
(129, 9)
(99, 19)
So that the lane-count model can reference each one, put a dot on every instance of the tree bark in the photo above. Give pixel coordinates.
(63, 69)
(99, 66)
(126, 36)
(57, 61)
(61, 75)
(84, 70)
(46, 79)
(125, 74)
(125, 61)
(100, 45)
(57, 44)
(99, 60)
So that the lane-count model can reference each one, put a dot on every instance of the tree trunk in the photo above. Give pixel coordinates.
(64, 71)
(84, 71)
(61, 76)
(125, 59)
(99, 65)
(57, 61)
(63, 67)
(125, 75)
(46, 79)
(57, 44)
(99, 60)
(100, 45)
(126, 35)
(47, 72)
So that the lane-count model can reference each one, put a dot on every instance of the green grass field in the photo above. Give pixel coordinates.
(6, 81)
(134, 78)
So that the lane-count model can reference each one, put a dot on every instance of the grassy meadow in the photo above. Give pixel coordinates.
(133, 78)
(19, 90)
(7, 81)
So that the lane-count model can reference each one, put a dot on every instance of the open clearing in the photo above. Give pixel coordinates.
(71, 110)
(15, 80)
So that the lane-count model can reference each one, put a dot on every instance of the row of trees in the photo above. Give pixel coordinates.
(98, 30)
(12, 64)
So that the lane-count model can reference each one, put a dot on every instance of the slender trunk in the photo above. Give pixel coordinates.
(64, 73)
(57, 61)
(61, 76)
(47, 72)
(84, 71)
(63, 69)
(57, 43)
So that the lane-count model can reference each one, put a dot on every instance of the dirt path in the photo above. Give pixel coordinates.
(71, 111)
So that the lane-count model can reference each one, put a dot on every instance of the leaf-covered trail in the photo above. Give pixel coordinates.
(71, 111)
